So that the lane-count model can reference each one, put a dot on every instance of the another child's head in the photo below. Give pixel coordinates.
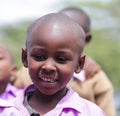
(80, 17)
(54, 45)
(7, 67)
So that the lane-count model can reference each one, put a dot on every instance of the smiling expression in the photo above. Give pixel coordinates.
(52, 56)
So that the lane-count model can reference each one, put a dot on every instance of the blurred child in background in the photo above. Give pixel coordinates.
(7, 69)
(94, 84)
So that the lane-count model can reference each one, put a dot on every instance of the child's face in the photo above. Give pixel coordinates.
(5, 65)
(52, 58)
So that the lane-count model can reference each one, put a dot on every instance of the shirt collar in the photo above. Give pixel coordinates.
(71, 100)
(11, 89)
(4, 103)
(80, 76)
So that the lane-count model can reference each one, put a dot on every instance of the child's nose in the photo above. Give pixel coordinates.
(49, 65)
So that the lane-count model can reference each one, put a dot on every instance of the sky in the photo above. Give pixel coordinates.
(16, 10)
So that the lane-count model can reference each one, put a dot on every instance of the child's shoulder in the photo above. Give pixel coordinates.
(91, 108)
(81, 105)
(16, 106)
(10, 92)
(91, 67)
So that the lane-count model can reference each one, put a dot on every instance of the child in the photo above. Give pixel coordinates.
(53, 53)
(7, 69)
(94, 84)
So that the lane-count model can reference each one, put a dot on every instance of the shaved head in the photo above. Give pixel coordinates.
(79, 16)
(57, 21)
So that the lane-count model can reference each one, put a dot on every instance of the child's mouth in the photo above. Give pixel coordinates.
(48, 78)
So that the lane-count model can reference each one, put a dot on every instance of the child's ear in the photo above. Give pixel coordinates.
(24, 58)
(14, 69)
(80, 64)
(88, 37)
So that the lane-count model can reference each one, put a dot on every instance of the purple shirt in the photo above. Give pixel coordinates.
(70, 105)
(10, 92)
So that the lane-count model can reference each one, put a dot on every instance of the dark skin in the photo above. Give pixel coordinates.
(51, 59)
(80, 17)
(77, 16)
(7, 68)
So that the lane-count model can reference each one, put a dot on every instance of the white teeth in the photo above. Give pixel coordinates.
(48, 79)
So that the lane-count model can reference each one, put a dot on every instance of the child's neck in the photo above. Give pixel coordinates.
(44, 103)
(3, 86)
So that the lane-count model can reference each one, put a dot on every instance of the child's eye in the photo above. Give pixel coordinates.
(61, 60)
(39, 57)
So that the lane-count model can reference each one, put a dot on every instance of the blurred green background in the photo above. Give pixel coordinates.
(105, 45)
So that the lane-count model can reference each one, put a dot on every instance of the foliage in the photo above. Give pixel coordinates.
(13, 36)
